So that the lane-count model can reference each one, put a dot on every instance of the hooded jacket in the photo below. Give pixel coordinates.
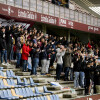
(25, 52)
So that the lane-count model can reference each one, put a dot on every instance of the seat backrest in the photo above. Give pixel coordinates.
(17, 91)
(30, 90)
(12, 81)
(36, 90)
(38, 98)
(25, 81)
(45, 98)
(1, 93)
(27, 91)
(57, 97)
(9, 82)
(24, 91)
(21, 91)
(1, 83)
(52, 98)
(18, 80)
(41, 98)
(8, 73)
(45, 88)
(1, 73)
(5, 93)
(31, 81)
(12, 73)
(9, 93)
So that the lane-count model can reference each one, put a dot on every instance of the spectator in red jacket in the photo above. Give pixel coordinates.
(25, 54)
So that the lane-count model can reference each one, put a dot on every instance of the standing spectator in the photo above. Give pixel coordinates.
(59, 55)
(25, 54)
(9, 41)
(35, 58)
(18, 52)
(67, 62)
(3, 46)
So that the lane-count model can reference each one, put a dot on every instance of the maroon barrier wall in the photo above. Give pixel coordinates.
(34, 16)
(93, 97)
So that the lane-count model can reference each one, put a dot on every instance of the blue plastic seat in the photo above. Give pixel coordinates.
(37, 91)
(2, 85)
(38, 98)
(10, 95)
(45, 98)
(52, 98)
(41, 98)
(31, 92)
(19, 82)
(1, 73)
(13, 83)
(1, 68)
(12, 74)
(8, 74)
(32, 82)
(57, 97)
(28, 92)
(25, 81)
(46, 91)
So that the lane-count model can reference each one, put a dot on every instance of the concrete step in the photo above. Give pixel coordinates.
(22, 73)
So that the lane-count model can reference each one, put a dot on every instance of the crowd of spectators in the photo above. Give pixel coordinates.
(59, 2)
(32, 48)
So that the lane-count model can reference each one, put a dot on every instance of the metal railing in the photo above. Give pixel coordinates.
(54, 10)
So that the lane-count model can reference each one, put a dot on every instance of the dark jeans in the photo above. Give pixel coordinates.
(9, 48)
(18, 59)
(24, 64)
(67, 69)
(58, 71)
(35, 63)
(52, 59)
(4, 56)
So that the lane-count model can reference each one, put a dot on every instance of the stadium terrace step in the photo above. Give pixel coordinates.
(8, 66)
(22, 73)
(53, 88)
(69, 95)
(13, 62)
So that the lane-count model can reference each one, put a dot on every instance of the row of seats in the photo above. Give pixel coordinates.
(21, 93)
(9, 74)
(8, 83)
(51, 97)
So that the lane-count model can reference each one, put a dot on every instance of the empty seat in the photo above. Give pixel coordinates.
(2, 84)
(32, 82)
(45, 90)
(25, 81)
(37, 91)
(19, 82)
(12, 74)
(13, 83)
(2, 74)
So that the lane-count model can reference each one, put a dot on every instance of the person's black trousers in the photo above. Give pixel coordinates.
(58, 71)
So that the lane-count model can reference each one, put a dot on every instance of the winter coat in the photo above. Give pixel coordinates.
(67, 59)
(25, 52)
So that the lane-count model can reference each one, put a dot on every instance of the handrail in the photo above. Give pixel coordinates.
(55, 10)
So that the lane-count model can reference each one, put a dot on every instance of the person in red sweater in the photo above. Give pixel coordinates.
(25, 54)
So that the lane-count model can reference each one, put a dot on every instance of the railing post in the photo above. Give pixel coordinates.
(42, 6)
(29, 4)
(48, 8)
(22, 3)
(6, 1)
(36, 5)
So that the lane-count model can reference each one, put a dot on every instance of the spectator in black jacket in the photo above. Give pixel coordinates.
(35, 58)
(9, 42)
(3, 46)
